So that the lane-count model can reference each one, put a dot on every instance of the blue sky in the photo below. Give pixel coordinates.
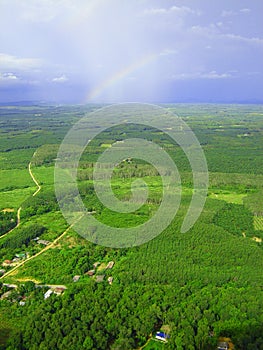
(141, 50)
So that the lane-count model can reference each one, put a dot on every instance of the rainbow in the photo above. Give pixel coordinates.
(94, 93)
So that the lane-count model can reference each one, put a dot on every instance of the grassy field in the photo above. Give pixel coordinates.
(10, 179)
(44, 175)
(229, 197)
(154, 345)
(258, 223)
(13, 199)
(55, 223)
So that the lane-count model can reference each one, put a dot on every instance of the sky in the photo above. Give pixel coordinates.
(156, 51)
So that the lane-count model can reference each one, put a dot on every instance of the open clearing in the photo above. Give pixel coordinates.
(153, 344)
(14, 198)
(258, 223)
(17, 178)
(230, 197)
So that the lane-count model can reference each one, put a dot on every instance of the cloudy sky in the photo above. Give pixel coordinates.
(131, 50)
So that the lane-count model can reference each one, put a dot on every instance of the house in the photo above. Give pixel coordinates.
(162, 336)
(59, 290)
(76, 278)
(222, 345)
(110, 279)
(100, 278)
(110, 265)
(43, 241)
(7, 263)
(9, 285)
(48, 293)
(22, 303)
(2, 272)
(96, 264)
(90, 272)
(20, 256)
(16, 260)
(6, 295)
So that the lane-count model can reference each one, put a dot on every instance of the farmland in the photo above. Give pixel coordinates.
(204, 284)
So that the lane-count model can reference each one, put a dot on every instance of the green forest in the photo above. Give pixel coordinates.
(60, 291)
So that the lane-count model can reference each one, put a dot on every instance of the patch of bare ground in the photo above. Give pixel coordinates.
(27, 279)
(8, 210)
(102, 266)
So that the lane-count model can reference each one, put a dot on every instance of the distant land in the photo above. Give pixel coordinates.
(188, 101)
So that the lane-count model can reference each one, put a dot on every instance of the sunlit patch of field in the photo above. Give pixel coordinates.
(44, 175)
(153, 344)
(27, 279)
(13, 199)
(258, 223)
(229, 197)
(72, 240)
(102, 267)
(8, 210)
(16, 178)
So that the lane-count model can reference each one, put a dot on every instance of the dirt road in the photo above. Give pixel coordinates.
(42, 251)
(34, 179)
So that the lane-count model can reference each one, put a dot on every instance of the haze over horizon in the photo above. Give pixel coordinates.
(76, 51)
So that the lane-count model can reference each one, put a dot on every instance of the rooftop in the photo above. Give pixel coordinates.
(110, 265)
(100, 278)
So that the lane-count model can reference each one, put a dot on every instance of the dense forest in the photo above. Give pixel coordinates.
(198, 286)
(7, 221)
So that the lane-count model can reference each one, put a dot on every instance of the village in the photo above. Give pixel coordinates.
(96, 273)
(17, 258)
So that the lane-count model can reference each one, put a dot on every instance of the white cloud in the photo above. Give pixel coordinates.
(50, 10)
(245, 10)
(167, 52)
(9, 62)
(43, 10)
(8, 76)
(214, 75)
(213, 32)
(243, 39)
(183, 10)
(155, 11)
(202, 75)
(62, 79)
(226, 13)
(205, 31)
(9, 79)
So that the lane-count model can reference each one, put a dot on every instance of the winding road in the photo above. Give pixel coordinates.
(42, 251)
(34, 179)
(18, 223)
(19, 209)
